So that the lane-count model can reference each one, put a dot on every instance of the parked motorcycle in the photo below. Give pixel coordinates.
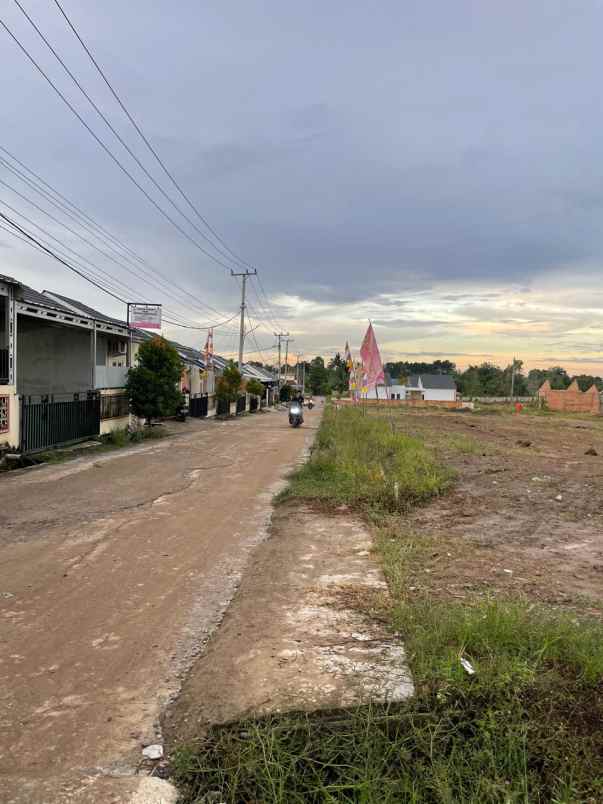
(310, 404)
(296, 416)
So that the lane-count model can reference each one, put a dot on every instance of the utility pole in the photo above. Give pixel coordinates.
(287, 356)
(280, 336)
(513, 380)
(244, 275)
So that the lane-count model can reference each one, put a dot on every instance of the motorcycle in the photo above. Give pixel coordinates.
(296, 416)
(310, 404)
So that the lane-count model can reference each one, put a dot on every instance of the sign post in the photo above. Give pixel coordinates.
(144, 316)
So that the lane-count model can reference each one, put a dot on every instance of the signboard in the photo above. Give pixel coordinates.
(144, 316)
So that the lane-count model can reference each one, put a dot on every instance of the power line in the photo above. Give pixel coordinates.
(91, 244)
(25, 237)
(145, 267)
(115, 132)
(59, 259)
(146, 140)
(108, 151)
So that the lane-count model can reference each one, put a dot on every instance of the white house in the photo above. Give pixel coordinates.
(430, 387)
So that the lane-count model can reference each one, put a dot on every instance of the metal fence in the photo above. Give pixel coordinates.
(198, 406)
(222, 407)
(50, 422)
(253, 403)
(3, 366)
(114, 406)
(241, 404)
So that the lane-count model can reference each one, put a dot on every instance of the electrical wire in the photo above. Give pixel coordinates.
(145, 267)
(108, 151)
(145, 139)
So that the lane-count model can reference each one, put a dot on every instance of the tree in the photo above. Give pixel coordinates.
(255, 388)
(153, 383)
(229, 385)
(285, 393)
(338, 380)
(318, 379)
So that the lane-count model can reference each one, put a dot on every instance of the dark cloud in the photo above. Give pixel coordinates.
(346, 151)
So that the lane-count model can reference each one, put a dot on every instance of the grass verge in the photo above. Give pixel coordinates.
(526, 726)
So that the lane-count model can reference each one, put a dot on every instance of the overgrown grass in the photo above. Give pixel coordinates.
(364, 462)
(527, 726)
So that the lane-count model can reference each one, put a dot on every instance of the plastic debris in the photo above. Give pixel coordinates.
(467, 666)
(559, 497)
(154, 751)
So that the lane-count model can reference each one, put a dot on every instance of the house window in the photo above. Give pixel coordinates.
(116, 347)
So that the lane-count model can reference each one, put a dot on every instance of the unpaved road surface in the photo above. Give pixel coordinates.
(114, 571)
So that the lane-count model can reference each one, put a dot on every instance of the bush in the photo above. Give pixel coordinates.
(153, 383)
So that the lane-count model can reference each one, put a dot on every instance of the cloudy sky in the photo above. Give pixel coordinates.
(436, 167)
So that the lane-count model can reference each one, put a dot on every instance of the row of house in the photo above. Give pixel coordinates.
(63, 367)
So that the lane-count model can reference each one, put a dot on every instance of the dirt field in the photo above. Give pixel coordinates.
(525, 516)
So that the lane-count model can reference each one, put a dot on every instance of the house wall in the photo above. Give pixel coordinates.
(10, 435)
(572, 400)
(52, 359)
(439, 394)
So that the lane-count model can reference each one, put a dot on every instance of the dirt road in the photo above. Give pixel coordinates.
(114, 571)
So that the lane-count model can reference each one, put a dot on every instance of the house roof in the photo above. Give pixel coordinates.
(30, 296)
(433, 381)
(90, 312)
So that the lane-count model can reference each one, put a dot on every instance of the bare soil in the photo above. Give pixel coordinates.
(525, 516)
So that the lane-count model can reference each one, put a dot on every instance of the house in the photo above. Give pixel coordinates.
(428, 387)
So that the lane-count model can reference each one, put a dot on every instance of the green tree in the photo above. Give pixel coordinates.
(337, 375)
(229, 385)
(318, 378)
(255, 388)
(586, 380)
(285, 393)
(153, 383)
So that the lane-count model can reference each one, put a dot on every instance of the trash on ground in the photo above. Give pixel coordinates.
(467, 666)
(154, 751)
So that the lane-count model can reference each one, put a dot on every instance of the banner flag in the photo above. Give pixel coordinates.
(209, 349)
(371, 360)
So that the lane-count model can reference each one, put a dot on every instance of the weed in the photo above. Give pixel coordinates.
(362, 461)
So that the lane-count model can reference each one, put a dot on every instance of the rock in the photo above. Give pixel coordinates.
(524, 443)
(591, 451)
(559, 498)
(154, 751)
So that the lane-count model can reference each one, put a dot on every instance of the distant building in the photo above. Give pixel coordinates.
(429, 387)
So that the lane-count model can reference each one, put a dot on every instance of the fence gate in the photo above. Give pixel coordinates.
(198, 406)
(241, 404)
(48, 422)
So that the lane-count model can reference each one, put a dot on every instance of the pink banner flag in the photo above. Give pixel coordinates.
(371, 359)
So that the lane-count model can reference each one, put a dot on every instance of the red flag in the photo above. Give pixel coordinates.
(209, 349)
(371, 359)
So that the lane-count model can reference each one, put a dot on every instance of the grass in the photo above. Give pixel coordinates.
(526, 727)
(363, 462)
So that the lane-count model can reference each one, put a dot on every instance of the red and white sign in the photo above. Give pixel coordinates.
(145, 316)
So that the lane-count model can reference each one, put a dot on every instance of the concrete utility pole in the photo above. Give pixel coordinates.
(280, 336)
(513, 379)
(243, 274)
(287, 356)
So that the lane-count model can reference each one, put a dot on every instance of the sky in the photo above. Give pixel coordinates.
(434, 167)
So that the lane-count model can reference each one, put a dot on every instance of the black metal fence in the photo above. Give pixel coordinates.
(3, 366)
(253, 404)
(114, 406)
(48, 422)
(222, 407)
(241, 404)
(198, 406)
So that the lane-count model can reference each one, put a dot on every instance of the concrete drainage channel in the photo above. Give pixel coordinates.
(292, 639)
